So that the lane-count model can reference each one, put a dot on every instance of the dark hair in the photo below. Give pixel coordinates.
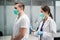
(21, 4)
(47, 9)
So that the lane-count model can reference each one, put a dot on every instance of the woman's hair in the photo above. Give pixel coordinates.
(47, 9)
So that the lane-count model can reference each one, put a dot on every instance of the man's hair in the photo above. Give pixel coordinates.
(21, 5)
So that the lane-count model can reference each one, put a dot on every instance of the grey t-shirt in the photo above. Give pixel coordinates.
(22, 22)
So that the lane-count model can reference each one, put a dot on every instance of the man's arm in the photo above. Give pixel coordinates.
(12, 38)
(21, 34)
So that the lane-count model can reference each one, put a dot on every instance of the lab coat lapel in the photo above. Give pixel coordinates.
(46, 22)
(40, 25)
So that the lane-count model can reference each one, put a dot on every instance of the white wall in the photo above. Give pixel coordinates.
(2, 19)
(58, 17)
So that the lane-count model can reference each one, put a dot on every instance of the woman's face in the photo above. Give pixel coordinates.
(45, 13)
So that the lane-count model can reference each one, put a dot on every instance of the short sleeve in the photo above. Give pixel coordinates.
(23, 23)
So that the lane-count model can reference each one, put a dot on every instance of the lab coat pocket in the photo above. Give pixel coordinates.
(47, 34)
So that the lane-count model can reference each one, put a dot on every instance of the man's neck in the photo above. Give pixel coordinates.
(20, 14)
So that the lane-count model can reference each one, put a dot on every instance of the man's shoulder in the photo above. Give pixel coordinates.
(25, 17)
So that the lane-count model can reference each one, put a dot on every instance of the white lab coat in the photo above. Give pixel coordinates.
(49, 29)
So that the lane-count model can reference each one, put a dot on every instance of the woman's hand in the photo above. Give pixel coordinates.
(39, 33)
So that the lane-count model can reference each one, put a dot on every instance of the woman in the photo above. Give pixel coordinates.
(47, 26)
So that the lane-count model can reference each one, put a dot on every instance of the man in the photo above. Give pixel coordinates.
(21, 27)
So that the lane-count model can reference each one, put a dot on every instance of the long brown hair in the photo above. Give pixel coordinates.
(46, 8)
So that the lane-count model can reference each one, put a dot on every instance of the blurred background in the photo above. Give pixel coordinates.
(32, 9)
